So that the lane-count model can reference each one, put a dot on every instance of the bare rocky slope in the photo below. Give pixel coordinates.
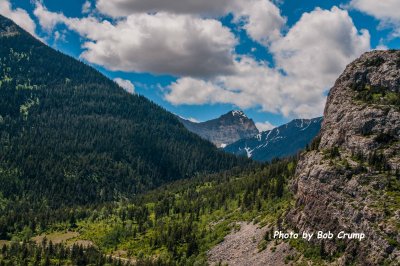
(240, 248)
(224, 130)
(349, 180)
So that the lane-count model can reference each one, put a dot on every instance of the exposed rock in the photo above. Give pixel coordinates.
(346, 184)
(224, 130)
(240, 248)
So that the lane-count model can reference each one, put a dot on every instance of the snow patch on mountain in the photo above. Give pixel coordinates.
(281, 141)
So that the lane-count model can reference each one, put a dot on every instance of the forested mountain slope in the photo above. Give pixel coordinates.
(175, 224)
(69, 135)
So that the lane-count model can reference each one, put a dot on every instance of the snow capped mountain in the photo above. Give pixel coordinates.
(238, 113)
(226, 129)
(282, 141)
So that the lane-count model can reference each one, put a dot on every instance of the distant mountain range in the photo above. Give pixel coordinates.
(226, 129)
(279, 142)
(236, 133)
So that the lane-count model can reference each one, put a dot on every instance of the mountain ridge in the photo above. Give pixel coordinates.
(225, 129)
(282, 141)
(82, 133)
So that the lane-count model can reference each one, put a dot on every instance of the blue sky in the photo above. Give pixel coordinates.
(276, 60)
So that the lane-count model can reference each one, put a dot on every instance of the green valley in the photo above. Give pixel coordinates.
(93, 175)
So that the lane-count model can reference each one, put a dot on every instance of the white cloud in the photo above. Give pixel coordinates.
(387, 11)
(197, 92)
(163, 37)
(161, 43)
(47, 20)
(260, 18)
(59, 36)
(175, 40)
(18, 15)
(264, 126)
(316, 50)
(382, 47)
(86, 7)
(382, 9)
(321, 42)
(312, 54)
(254, 84)
(120, 8)
(126, 85)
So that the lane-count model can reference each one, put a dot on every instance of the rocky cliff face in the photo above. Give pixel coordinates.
(224, 130)
(350, 180)
(279, 142)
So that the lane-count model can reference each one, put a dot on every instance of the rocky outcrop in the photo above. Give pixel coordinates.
(224, 130)
(350, 180)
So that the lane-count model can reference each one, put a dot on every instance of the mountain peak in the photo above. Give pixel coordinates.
(238, 113)
(224, 130)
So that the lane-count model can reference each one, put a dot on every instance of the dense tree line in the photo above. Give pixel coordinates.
(70, 136)
(47, 253)
(171, 219)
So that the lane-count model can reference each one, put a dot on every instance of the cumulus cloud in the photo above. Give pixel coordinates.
(308, 60)
(386, 11)
(168, 37)
(125, 84)
(260, 18)
(18, 15)
(194, 91)
(253, 85)
(317, 48)
(47, 20)
(161, 43)
(118, 8)
(264, 126)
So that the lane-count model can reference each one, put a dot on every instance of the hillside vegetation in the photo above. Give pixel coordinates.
(178, 223)
(71, 139)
